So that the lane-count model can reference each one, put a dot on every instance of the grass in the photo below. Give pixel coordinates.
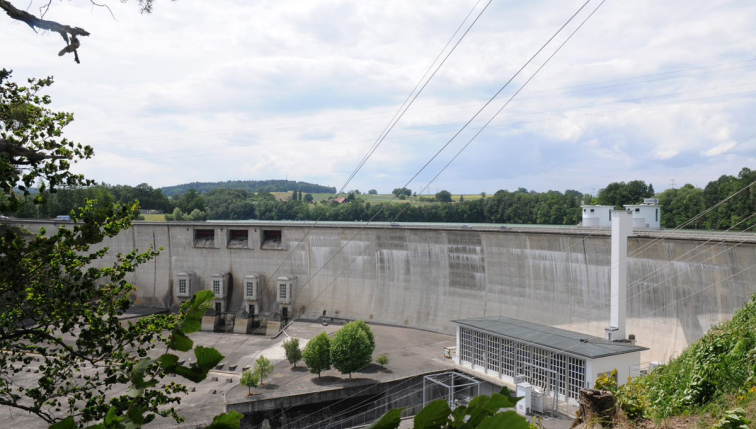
(154, 218)
(380, 198)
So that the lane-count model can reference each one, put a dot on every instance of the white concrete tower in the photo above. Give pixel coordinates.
(622, 227)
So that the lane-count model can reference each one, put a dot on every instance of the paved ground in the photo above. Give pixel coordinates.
(410, 351)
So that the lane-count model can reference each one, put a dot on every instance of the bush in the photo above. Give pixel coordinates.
(382, 360)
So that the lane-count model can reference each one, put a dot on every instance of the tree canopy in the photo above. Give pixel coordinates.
(293, 352)
(351, 349)
(317, 354)
(60, 305)
(444, 196)
(618, 194)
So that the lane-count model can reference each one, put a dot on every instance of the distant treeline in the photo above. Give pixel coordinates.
(250, 186)
(679, 206)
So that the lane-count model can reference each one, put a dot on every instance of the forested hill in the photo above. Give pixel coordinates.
(249, 186)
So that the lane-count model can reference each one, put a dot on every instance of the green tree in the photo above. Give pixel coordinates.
(369, 332)
(444, 196)
(293, 352)
(351, 349)
(308, 198)
(402, 191)
(373, 192)
(249, 380)
(263, 368)
(618, 194)
(61, 305)
(317, 354)
(191, 201)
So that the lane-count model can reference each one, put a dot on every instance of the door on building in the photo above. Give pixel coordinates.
(218, 308)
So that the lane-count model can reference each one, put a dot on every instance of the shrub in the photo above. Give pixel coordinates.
(382, 360)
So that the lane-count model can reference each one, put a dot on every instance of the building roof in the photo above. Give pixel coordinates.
(560, 340)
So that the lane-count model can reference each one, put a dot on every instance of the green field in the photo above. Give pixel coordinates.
(379, 198)
(154, 218)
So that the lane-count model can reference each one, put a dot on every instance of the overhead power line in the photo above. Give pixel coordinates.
(561, 110)
(397, 116)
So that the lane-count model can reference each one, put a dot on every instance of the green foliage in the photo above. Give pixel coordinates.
(721, 363)
(619, 194)
(178, 215)
(402, 191)
(382, 360)
(249, 380)
(31, 148)
(390, 420)
(229, 420)
(366, 329)
(190, 201)
(733, 419)
(607, 382)
(482, 413)
(317, 354)
(263, 368)
(632, 397)
(444, 196)
(293, 352)
(372, 192)
(249, 186)
(57, 304)
(351, 349)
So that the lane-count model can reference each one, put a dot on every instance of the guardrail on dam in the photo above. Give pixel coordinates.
(422, 276)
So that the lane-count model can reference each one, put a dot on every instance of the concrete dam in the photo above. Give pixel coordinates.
(680, 283)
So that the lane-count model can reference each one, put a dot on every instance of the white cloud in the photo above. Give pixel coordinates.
(258, 90)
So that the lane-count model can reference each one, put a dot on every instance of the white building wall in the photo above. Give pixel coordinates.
(650, 215)
(597, 216)
(622, 363)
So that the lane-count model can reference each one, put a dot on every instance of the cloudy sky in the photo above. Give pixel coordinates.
(231, 90)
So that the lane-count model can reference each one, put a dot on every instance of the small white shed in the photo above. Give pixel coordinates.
(597, 216)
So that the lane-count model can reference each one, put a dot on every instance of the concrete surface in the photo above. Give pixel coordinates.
(410, 352)
(422, 276)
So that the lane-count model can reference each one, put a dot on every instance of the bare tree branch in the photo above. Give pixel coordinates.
(32, 21)
(46, 8)
(105, 6)
(32, 156)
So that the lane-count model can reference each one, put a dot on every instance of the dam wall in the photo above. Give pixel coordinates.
(424, 276)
